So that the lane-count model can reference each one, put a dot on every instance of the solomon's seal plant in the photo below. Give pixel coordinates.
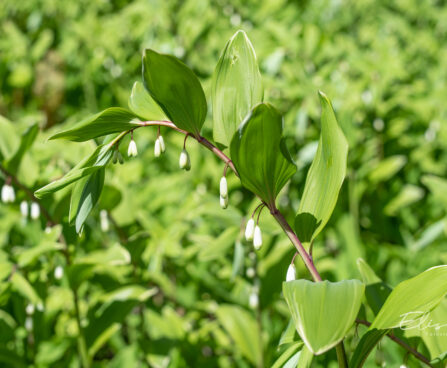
(249, 140)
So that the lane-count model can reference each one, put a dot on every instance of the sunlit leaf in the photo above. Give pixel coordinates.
(325, 176)
(142, 104)
(237, 87)
(323, 312)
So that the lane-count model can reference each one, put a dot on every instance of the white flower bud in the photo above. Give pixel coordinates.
(24, 208)
(253, 300)
(223, 187)
(250, 272)
(104, 221)
(28, 323)
(5, 193)
(157, 148)
(184, 161)
(35, 211)
(29, 309)
(223, 202)
(257, 238)
(162, 144)
(250, 230)
(58, 272)
(132, 150)
(291, 273)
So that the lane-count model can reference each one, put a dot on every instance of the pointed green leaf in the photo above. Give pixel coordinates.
(366, 344)
(323, 312)
(260, 155)
(325, 176)
(287, 354)
(109, 121)
(405, 304)
(26, 141)
(237, 87)
(244, 331)
(288, 335)
(142, 104)
(87, 166)
(176, 90)
(89, 197)
(23, 287)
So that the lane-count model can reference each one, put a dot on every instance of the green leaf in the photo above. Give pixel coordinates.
(260, 155)
(109, 121)
(366, 344)
(30, 255)
(244, 331)
(237, 87)
(142, 104)
(8, 139)
(287, 354)
(325, 176)
(437, 186)
(23, 287)
(387, 168)
(26, 141)
(89, 197)
(323, 312)
(288, 335)
(87, 166)
(407, 196)
(413, 298)
(176, 90)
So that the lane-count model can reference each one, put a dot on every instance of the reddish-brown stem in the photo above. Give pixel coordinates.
(402, 343)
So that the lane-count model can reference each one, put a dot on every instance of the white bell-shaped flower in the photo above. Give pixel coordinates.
(257, 238)
(104, 221)
(162, 144)
(253, 300)
(223, 202)
(157, 148)
(132, 149)
(8, 194)
(29, 309)
(58, 272)
(291, 273)
(184, 160)
(223, 187)
(35, 211)
(250, 230)
(24, 208)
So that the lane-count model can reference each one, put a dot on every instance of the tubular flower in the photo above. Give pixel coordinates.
(157, 148)
(184, 160)
(257, 238)
(223, 187)
(162, 144)
(24, 208)
(291, 273)
(35, 211)
(223, 202)
(250, 230)
(132, 149)
(8, 194)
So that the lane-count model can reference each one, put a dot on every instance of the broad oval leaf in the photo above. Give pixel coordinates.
(260, 155)
(412, 298)
(142, 104)
(176, 90)
(323, 312)
(237, 87)
(325, 176)
(109, 121)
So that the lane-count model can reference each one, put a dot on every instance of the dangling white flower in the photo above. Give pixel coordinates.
(223, 187)
(40, 307)
(250, 230)
(104, 221)
(184, 160)
(132, 150)
(257, 238)
(24, 208)
(157, 148)
(29, 309)
(29, 324)
(8, 194)
(58, 272)
(162, 144)
(35, 211)
(250, 272)
(253, 300)
(291, 273)
(223, 202)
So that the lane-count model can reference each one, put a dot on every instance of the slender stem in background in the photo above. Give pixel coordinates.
(82, 345)
(400, 342)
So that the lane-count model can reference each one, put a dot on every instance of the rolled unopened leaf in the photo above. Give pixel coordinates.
(250, 230)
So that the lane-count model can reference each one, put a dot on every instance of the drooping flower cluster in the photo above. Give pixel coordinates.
(223, 192)
(159, 146)
(8, 194)
(253, 233)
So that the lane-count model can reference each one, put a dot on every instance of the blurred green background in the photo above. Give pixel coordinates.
(166, 279)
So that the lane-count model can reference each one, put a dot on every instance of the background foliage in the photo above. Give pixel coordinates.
(165, 285)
